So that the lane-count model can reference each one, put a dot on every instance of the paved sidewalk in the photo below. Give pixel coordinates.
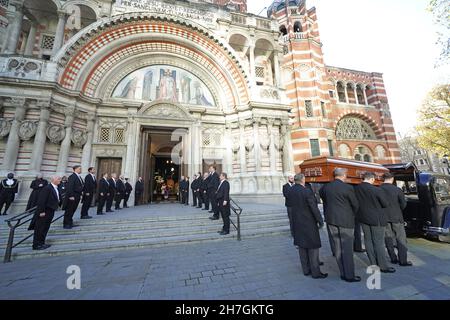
(261, 268)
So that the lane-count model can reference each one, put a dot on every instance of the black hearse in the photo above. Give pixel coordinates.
(428, 196)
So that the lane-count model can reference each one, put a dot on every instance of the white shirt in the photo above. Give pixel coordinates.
(56, 190)
(10, 182)
(220, 185)
(93, 177)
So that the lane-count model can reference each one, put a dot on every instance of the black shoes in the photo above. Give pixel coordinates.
(394, 261)
(205, 209)
(355, 279)
(109, 211)
(360, 251)
(42, 247)
(224, 233)
(67, 227)
(214, 218)
(210, 211)
(407, 264)
(86, 217)
(321, 276)
(100, 214)
(388, 270)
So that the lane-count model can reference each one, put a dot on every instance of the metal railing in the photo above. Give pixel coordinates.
(16, 222)
(238, 211)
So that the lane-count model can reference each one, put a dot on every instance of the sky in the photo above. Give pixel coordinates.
(394, 37)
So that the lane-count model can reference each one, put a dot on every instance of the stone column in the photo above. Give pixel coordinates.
(59, 36)
(272, 149)
(252, 66)
(243, 162)
(87, 148)
(13, 143)
(365, 97)
(66, 143)
(14, 31)
(276, 62)
(229, 150)
(346, 93)
(356, 95)
(256, 123)
(40, 139)
(196, 147)
(288, 160)
(31, 40)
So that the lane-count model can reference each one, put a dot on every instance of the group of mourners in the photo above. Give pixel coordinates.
(347, 209)
(209, 191)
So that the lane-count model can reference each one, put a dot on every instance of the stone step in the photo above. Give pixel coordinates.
(86, 237)
(113, 225)
(103, 246)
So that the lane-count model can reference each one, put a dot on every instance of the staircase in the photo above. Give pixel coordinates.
(121, 231)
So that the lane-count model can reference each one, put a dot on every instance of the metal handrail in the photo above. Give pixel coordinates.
(238, 211)
(19, 220)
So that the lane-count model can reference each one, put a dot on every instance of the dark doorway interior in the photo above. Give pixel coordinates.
(166, 175)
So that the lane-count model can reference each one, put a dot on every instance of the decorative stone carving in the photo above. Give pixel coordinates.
(5, 127)
(236, 145)
(24, 68)
(56, 133)
(27, 130)
(79, 138)
(270, 94)
(265, 142)
(166, 111)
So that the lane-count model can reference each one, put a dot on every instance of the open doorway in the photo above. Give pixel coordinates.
(166, 177)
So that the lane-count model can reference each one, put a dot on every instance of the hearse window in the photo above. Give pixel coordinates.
(408, 187)
(442, 187)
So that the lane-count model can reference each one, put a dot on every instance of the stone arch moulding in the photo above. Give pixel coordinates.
(97, 43)
(372, 123)
(160, 109)
(88, 3)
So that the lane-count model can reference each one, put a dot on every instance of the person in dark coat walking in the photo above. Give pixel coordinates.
(204, 191)
(103, 193)
(138, 191)
(75, 186)
(395, 229)
(213, 184)
(36, 185)
(90, 187)
(340, 207)
(9, 188)
(286, 189)
(223, 200)
(48, 202)
(128, 190)
(372, 216)
(112, 192)
(120, 192)
(306, 223)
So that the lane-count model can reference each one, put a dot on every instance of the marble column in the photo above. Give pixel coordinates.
(288, 156)
(31, 40)
(346, 93)
(243, 162)
(276, 62)
(87, 148)
(366, 102)
(40, 139)
(15, 30)
(13, 143)
(66, 143)
(356, 95)
(229, 150)
(272, 149)
(59, 36)
(260, 186)
(252, 66)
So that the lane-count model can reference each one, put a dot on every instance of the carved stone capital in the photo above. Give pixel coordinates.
(27, 130)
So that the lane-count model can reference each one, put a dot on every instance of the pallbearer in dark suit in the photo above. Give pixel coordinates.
(286, 189)
(8, 190)
(198, 190)
(213, 184)
(120, 192)
(223, 200)
(112, 192)
(74, 191)
(372, 216)
(62, 188)
(395, 229)
(204, 191)
(37, 185)
(48, 202)
(138, 191)
(103, 193)
(340, 207)
(90, 187)
(194, 188)
(306, 222)
(184, 187)
(128, 190)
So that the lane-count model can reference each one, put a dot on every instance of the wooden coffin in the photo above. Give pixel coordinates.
(320, 170)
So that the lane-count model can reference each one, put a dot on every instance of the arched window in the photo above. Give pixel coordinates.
(352, 128)
(351, 93)
(362, 153)
(381, 152)
(360, 95)
(344, 151)
(341, 92)
(297, 27)
(283, 30)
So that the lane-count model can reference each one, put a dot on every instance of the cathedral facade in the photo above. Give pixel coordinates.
(159, 89)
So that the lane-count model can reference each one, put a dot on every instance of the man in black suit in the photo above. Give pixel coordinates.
(138, 191)
(204, 191)
(222, 196)
(103, 193)
(306, 223)
(120, 192)
(112, 192)
(184, 187)
(199, 191)
(128, 190)
(48, 202)
(340, 207)
(372, 216)
(194, 188)
(75, 186)
(396, 225)
(90, 187)
(286, 189)
(36, 185)
(8, 191)
(213, 184)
